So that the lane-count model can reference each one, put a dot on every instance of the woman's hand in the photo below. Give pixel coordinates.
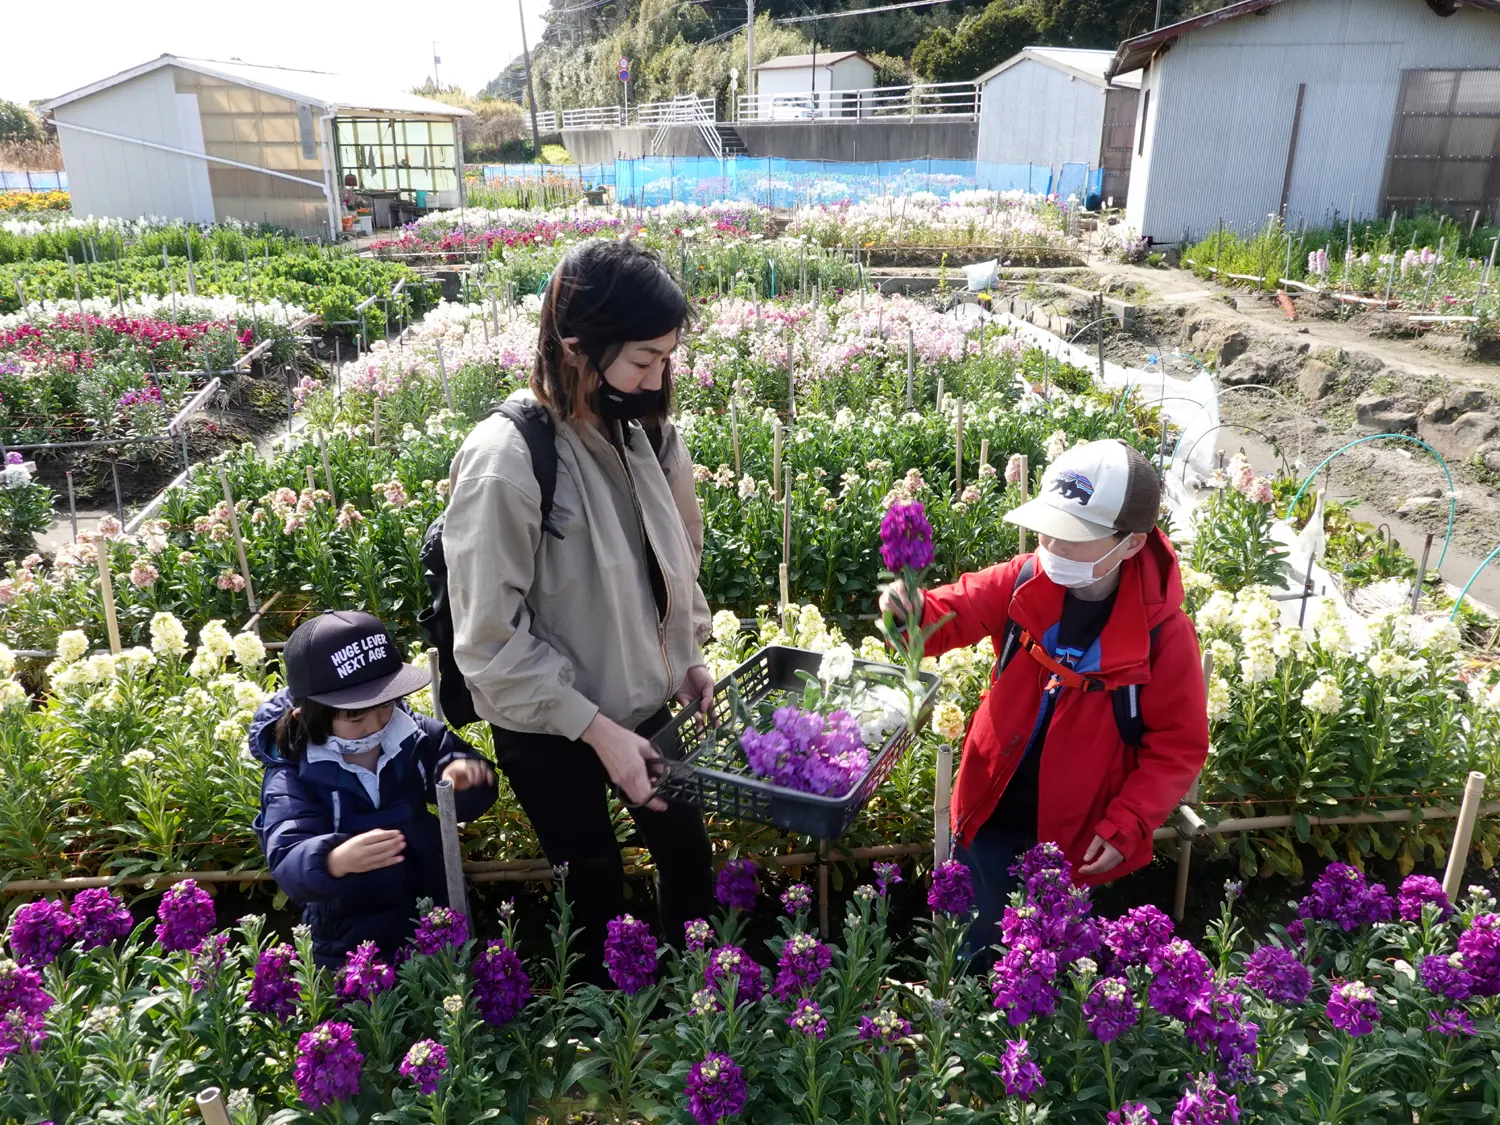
(698, 684)
(369, 851)
(1102, 856)
(465, 773)
(894, 600)
(625, 755)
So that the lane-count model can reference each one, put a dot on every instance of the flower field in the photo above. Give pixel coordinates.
(32, 202)
(1368, 1007)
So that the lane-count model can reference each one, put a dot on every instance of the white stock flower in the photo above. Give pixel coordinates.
(7, 660)
(71, 645)
(64, 676)
(1259, 663)
(205, 665)
(12, 694)
(248, 696)
(136, 658)
(249, 650)
(838, 664)
(1324, 697)
(1386, 664)
(1218, 699)
(1289, 642)
(1217, 612)
(1222, 652)
(216, 639)
(726, 626)
(168, 635)
(873, 650)
(1334, 639)
(1055, 446)
(100, 667)
(948, 721)
(228, 730)
(137, 758)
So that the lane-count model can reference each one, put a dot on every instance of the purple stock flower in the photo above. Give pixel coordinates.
(905, 538)
(885, 1029)
(1110, 1009)
(1353, 1009)
(732, 961)
(185, 915)
(887, 875)
(41, 930)
(1130, 1113)
(501, 986)
(1340, 895)
(630, 954)
(1045, 856)
(1480, 946)
(23, 1008)
(808, 1020)
(715, 1090)
(1416, 892)
(1214, 1024)
(1452, 1023)
(102, 917)
(1203, 1103)
(1136, 937)
(208, 960)
(1278, 975)
(736, 886)
(1018, 1072)
(19, 1029)
(1179, 976)
(804, 960)
(274, 989)
(1023, 984)
(797, 899)
(1297, 931)
(364, 974)
(952, 889)
(440, 929)
(809, 752)
(424, 1064)
(328, 1064)
(14, 458)
(697, 932)
(1446, 976)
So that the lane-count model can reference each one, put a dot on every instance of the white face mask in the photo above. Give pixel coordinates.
(1071, 573)
(350, 746)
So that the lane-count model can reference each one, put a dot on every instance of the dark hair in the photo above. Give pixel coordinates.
(294, 732)
(606, 293)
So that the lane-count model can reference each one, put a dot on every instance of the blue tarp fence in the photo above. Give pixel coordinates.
(33, 181)
(781, 183)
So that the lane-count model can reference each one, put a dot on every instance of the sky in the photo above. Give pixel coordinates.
(388, 43)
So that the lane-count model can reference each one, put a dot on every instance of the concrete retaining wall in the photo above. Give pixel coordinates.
(893, 139)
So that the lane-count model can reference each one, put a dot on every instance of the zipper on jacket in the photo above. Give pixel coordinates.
(640, 520)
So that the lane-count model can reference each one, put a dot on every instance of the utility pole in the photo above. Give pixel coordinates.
(436, 85)
(536, 140)
(1157, 24)
(750, 50)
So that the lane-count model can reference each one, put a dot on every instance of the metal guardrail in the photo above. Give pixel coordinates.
(686, 109)
(929, 99)
(594, 117)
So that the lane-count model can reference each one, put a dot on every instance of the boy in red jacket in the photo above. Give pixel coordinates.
(1095, 723)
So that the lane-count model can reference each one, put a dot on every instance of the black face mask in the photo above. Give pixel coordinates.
(619, 406)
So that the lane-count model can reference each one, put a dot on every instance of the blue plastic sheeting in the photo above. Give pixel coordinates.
(33, 181)
(781, 183)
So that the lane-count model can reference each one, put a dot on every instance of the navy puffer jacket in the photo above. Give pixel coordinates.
(309, 808)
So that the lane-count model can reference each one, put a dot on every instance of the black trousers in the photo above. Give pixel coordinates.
(563, 789)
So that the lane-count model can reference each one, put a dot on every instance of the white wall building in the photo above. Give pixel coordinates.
(1051, 106)
(785, 85)
(206, 141)
(1315, 108)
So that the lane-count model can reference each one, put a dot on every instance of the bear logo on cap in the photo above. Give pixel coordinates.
(1074, 486)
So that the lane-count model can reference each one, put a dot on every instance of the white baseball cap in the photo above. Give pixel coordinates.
(1091, 492)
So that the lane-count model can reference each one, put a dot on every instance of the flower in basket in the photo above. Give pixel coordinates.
(809, 752)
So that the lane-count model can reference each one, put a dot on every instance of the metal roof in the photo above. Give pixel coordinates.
(793, 62)
(333, 92)
(1077, 62)
(1133, 54)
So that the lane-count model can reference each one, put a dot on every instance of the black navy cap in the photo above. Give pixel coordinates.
(347, 660)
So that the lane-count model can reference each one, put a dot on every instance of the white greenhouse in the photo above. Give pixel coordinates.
(1050, 106)
(1314, 110)
(207, 141)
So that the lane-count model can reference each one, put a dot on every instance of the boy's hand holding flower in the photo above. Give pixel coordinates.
(466, 773)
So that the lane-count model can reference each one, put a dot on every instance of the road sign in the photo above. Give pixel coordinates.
(624, 69)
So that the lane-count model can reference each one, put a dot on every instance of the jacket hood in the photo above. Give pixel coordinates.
(263, 729)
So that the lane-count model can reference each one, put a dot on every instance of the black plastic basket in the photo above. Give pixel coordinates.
(712, 772)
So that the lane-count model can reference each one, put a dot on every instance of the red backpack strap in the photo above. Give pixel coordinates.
(1061, 673)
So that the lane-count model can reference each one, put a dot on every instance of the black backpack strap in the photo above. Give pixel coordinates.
(1009, 640)
(535, 423)
(1127, 707)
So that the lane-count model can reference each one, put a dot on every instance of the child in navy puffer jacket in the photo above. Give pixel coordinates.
(350, 772)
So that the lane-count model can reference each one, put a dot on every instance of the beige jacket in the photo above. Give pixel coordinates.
(550, 632)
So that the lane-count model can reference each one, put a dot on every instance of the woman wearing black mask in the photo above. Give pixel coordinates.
(574, 633)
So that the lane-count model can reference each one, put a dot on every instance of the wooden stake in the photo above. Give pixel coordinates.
(453, 864)
(327, 468)
(107, 592)
(239, 541)
(785, 596)
(443, 374)
(911, 367)
(941, 800)
(312, 479)
(786, 526)
(1025, 490)
(375, 436)
(958, 450)
(1463, 834)
(940, 394)
(984, 455)
(776, 460)
(734, 436)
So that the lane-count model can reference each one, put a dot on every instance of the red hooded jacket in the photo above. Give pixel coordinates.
(1090, 783)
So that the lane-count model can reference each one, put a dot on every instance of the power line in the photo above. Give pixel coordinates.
(862, 11)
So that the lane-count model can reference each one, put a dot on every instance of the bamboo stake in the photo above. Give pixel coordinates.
(734, 435)
(327, 468)
(375, 436)
(984, 455)
(453, 865)
(958, 450)
(776, 460)
(942, 798)
(785, 594)
(239, 541)
(1463, 834)
(1025, 483)
(786, 526)
(107, 592)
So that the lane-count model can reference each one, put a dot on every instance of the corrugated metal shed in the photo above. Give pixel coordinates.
(1220, 98)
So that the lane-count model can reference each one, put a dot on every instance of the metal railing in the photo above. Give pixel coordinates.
(546, 120)
(685, 109)
(929, 99)
(594, 117)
